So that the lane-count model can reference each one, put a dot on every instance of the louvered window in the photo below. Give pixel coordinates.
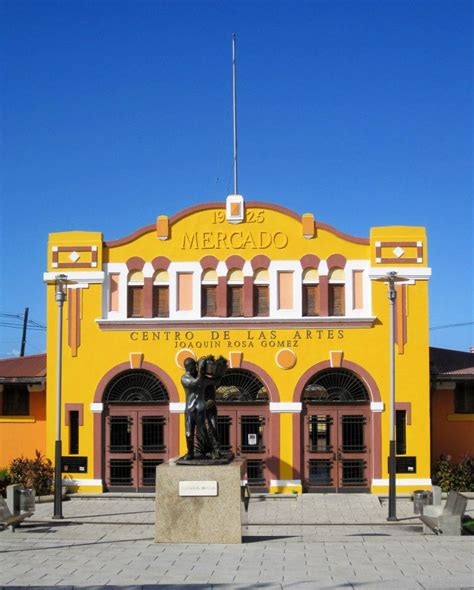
(16, 400)
(209, 300)
(234, 301)
(135, 301)
(161, 308)
(337, 304)
(310, 300)
(261, 300)
(464, 398)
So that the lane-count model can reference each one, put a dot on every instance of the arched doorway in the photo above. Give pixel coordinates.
(136, 430)
(336, 432)
(243, 423)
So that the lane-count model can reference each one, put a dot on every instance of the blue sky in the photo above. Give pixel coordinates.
(113, 112)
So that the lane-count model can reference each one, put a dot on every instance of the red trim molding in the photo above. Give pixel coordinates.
(221, 205)
(160, 263)
(309, 261)
(73, 408)
(235, 262)
(135, 263)
(404, 406)
(260, 261)
(209, 263)
(336, 261)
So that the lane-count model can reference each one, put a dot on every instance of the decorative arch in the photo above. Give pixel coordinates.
(272, 390)
(98, 417)
(209, 263)
(376, 422)
(336, 261)
(135, 263)
(309, 261)
(160, 263)
(364, 375)
(260, 261)
(235, 262)
(135, 385)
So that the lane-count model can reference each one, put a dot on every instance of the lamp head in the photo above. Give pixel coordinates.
(60, 285)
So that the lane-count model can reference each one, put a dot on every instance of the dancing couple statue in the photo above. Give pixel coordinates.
(200, 381)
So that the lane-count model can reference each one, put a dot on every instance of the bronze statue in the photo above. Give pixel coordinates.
(200, 382)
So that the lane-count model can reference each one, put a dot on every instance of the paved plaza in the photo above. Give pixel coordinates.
(305, 542)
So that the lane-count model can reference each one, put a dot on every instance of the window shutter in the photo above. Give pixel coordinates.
(310, 300)
(261, 300)
(234, 301)
(336, 300)
(135, 302)
(161, 307)
(209, 301)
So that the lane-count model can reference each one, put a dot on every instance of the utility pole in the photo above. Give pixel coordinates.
(23, 337)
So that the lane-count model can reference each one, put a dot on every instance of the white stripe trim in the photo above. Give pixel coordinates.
(403, 482)
(97, 408)
(82, 482)
(377, 406)
(287, 407)
(177, 407)
(78, 276)
(410, 272)
(285, 482)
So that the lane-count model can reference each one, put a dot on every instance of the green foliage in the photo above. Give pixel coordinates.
(455, 476)
(37, 473)
(4, 481)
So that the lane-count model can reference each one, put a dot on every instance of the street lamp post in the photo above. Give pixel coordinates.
(60, 296)
(392, 465)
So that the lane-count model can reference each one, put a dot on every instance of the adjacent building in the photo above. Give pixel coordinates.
(299, 309)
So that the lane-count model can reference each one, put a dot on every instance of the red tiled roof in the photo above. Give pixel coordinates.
(451, 363)
(24, 367)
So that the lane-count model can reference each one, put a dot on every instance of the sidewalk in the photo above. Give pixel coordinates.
(311, 541)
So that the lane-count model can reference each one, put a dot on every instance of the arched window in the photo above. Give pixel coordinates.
(335, 385)
(209, 293)
(310, 292)
(336, 292)
(261, 296)
(235, 291)
(239, 385)
(135, 294)
(135, 386)
(161, 295)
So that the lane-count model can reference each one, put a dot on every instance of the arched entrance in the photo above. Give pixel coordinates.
(243, 423)
(336, 432)
(136, 430)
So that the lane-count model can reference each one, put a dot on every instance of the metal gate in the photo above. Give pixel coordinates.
(244, 431)
(136, 442)
(336, 448)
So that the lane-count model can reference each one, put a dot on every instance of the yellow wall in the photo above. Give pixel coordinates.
(197, 235)
(23, 435)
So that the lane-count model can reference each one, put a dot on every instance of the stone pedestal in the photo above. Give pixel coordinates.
(199, 504)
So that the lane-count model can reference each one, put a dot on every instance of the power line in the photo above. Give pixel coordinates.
(452, 326)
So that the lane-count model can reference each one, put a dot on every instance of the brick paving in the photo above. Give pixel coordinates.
(311, 541)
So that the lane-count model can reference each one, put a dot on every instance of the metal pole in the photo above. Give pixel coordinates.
(60, 297)
(234, 109)
(23, 336)
(392, 498)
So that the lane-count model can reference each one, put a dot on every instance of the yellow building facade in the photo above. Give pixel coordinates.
(299, 309)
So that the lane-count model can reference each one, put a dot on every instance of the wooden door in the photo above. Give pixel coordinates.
(336, 448)
(136, 442)
(245, 432)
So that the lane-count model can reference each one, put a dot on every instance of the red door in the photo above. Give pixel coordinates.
(136, 442)
(336, 448)
(245, 432)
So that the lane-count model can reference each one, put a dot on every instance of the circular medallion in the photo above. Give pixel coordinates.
(285, 358)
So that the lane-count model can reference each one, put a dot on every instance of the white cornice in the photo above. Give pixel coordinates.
(75, 276)
(411, 272)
